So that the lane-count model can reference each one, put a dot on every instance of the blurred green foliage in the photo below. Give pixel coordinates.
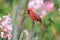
(5, 7)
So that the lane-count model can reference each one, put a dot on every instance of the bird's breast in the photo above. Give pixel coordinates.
(33, 16)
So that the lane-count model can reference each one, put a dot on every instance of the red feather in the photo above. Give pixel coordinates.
(35, 17)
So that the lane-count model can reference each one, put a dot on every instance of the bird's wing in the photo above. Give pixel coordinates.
(36, 17)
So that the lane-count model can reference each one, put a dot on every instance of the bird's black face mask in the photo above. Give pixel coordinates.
(28, 12)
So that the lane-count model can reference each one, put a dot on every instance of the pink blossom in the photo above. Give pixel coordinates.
(7, 17)
(38, 4)
(6, 27)
(6, 20)
(7, 35)
(49, 6)
(9, 27)
(59, 9)
(31, 4)
(2, 33)
(27, 34)
(3, 23)
(0, 19)
(43, 14)
(0, 26)
(35, 4)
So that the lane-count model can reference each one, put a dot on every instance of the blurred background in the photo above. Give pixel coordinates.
(22, 24)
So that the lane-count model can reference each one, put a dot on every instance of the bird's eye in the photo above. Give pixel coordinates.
(28, 10)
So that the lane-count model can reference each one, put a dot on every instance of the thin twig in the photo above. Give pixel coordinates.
(22, 21)
(32, 32)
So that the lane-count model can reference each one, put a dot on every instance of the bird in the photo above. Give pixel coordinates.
(35, 17)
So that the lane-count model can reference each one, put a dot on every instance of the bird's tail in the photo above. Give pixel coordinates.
(43, 26)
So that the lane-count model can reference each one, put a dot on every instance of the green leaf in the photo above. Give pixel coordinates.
(56, 7)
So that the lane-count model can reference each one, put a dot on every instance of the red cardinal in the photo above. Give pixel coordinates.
(35, 17)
